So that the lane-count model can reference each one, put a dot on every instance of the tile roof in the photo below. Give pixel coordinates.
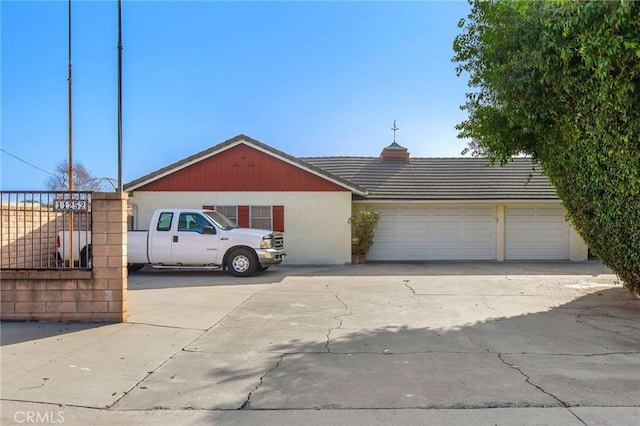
(443, 179)
(428, 179)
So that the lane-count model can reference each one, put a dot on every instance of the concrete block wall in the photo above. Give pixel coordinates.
(69, 295)
(29, 236)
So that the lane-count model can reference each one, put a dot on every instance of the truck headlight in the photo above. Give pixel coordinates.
(267, 242)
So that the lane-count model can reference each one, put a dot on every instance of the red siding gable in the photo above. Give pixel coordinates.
(241, 168)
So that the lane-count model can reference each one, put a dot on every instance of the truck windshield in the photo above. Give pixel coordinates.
(222, 221)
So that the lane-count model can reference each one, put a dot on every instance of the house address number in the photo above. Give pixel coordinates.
(71, 205)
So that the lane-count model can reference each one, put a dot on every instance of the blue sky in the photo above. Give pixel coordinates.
(307, 78)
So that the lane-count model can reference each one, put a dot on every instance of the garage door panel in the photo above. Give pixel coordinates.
(548, 226)
(479, 211)
(446, 226)
(478, 253)
(444, 239)
(446, 253)
(411, 240)
(413, 245)
(407, 228)
(477, 241)
(479, 227)
(447, 212)
(410, 228)
(550, 211)
(551, 253)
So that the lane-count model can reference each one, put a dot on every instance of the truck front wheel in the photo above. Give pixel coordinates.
(242, 262)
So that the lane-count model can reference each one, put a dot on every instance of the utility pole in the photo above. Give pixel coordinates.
(119, 96)
(70, 165)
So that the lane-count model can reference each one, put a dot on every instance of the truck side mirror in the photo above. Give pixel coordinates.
(208, 230)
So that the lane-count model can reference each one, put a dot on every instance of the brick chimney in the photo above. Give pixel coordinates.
(394, 153)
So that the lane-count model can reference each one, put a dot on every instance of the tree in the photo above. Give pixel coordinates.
(82, 179)
(560, 82)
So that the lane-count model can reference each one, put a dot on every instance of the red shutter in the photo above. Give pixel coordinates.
(243, 216)
(278, 218)
(208, 207)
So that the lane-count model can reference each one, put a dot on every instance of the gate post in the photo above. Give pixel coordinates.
(109, 245)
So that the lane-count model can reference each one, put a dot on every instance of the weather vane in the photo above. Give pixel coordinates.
(394, 128)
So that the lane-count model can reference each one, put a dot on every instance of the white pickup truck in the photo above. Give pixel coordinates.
(188, 239)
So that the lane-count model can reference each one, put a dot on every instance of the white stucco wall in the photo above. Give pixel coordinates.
(316, 227)
(578, 249)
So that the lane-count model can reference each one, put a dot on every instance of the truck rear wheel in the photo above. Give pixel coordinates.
(86, 257)
(134, 267)
(242, 262)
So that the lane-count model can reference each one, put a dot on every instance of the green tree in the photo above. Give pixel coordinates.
(560, 82)
(83, 180)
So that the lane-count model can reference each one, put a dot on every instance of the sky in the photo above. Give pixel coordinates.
(306, 78)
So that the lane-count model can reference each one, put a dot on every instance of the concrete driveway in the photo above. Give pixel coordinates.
(434, 343)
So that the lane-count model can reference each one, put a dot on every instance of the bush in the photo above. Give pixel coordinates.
(363, 225)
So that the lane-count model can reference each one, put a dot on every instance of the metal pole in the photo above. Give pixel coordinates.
(70, 165)
(119, 96)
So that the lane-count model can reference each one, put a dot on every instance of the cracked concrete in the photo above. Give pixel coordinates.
(247, 403)
(450, 343)
(528, 380)
(340, 321)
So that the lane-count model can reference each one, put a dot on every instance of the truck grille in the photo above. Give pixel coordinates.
(278, 241)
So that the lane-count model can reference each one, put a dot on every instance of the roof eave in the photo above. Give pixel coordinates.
(458, 200)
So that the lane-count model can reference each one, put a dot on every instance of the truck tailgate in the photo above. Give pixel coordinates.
(137, 246)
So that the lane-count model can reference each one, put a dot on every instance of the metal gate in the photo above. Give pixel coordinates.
(35, 224)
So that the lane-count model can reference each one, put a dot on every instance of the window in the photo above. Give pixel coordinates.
(260, 217)
(192, 222)
(229, 211)
(164, 222)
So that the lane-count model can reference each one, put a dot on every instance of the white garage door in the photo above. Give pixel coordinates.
(435, 233)
(536, 233)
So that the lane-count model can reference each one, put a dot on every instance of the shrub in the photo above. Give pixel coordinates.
(363, 225)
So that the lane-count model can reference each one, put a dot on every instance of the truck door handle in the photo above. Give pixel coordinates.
(175, 238)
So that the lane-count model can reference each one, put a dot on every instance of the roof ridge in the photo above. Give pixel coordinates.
(414, 158)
